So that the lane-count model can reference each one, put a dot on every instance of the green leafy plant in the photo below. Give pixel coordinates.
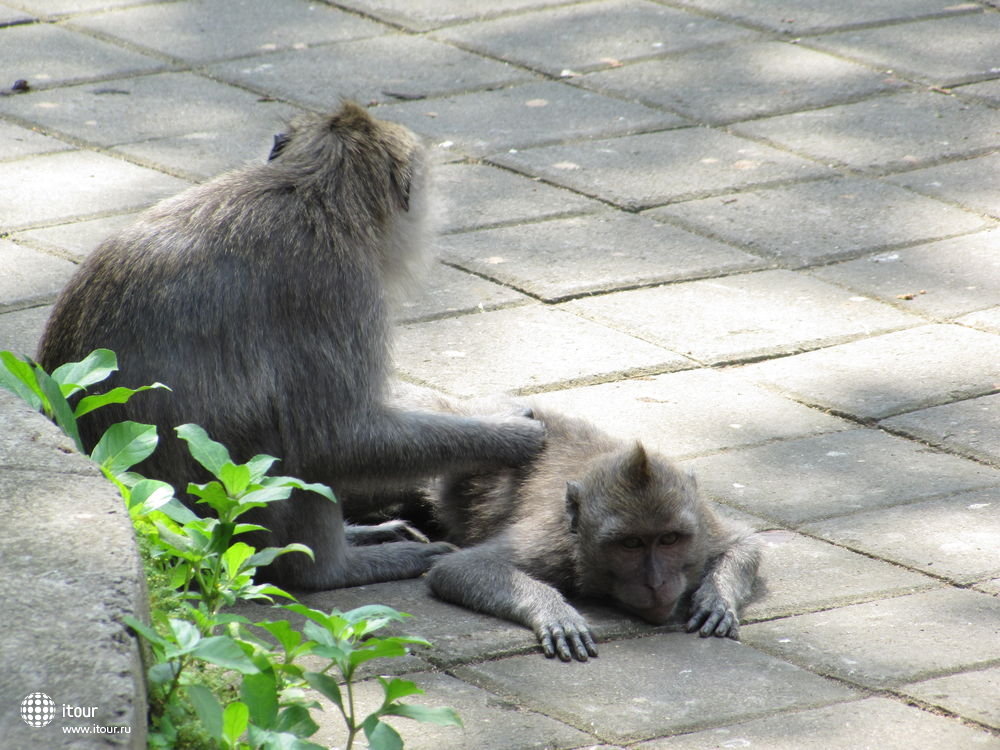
(243, 681)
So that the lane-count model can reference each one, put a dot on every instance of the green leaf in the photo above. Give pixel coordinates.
(259, 465)
(119, 395)
(234, 557)
(210, 454)
(18, 377)
(374, 617)
(144, 630)
(235, 478)
(186, 635)
(267, 555)
(207, 707)
(162, 672)
(235, 718)
(396, 689)
(283, 632)
(298, 484)
(380, 735)
(95, 367)
(297, 721)
(152, 494)
(176, 511)
(375, 648)
(123, 445)
(62, 412)
(326, 685)
(260, 694)
(266, 495)
(223, 651)
(268, 740)
(443, 716)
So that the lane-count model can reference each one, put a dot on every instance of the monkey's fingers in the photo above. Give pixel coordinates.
(719, 621)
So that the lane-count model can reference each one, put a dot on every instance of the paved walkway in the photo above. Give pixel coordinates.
(762, 236)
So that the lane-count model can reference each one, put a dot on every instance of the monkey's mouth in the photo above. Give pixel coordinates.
(657, 614)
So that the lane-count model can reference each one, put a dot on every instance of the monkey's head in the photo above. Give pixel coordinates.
(638, 528)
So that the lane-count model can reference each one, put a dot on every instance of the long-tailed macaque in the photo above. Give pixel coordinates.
(260, 298)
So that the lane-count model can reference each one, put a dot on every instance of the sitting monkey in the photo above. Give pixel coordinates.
(590, 516)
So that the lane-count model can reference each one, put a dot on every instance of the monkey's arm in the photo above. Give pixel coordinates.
(725, 587)
(483, 578)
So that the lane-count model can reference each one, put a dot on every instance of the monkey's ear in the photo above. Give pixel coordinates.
(280, 141)
(573, 493)
(636, 470)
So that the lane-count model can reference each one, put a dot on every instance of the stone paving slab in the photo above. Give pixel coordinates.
(941, 280)
(10, 16)
(742, 81)
(972, 183)
(989, 92)
(956, 537)
(647, 170)
(810, 16)
(206, 30)
(52, 8)
(16, 142)
(887, 375)
(887, 643)
(420, 15)
(22, 330)
(984, 320)
(743, 317)
(89, 183)
(75, 240)
(175, 104)
(675, 682)
(566, 258)
(530, 114)
(971, 428)
(871, 723)
(522, 349)
(691, 412)
(29, 275)
(926, 50)
(870, 215)
(478, 196)
(368, 70)
(802, 575)
(46, 55)
(971, 695)
(808, 479)
(884, 134)
(450, 291)
(202, 155)
(573, 39)
(989, 587)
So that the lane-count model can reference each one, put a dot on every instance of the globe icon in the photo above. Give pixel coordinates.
(37, 710)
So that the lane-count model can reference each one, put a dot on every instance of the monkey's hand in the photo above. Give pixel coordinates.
(523, 438)
(390, 531)
(566, 634)
(711, 614)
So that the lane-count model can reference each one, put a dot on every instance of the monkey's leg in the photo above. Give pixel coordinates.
(481, 579)
(725, 587)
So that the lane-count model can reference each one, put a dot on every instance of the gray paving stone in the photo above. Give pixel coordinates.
(942, 279)
(30, 276)
(972, 183)
(527, 115)
(742, 317)
(20, 330)
(205, 30)
(202, 155)
(887, 375)
(805, 16)
(985, 320)
(565, 258)
(475, 196)
(368, 70)
(691, 412)
(889, 133)
(61, 7)
(77, 239)
(871, 723)
(834, 219)
(989, 587)
(813, 478)
(16, 142)
(956, 537)
(10, 16)
(524, 349)
(173, 104)
(799, 575)
(971, 427)
(675, 682)
(421, 15)
(926, 50)
(88, 183)
(646, 170)
(490, 723)
(971, 695)
(449, 291)
(604, 34)
(44, 54)
(742, 81)
(988, 91)
(890, 642)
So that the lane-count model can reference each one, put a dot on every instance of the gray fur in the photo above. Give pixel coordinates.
(261, 298)
(556, 528)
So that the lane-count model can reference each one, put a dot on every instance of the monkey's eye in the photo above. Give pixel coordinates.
(631, 542)
(280, 141)
(667, 539)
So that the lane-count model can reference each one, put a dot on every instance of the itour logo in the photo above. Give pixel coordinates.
(38, 709)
